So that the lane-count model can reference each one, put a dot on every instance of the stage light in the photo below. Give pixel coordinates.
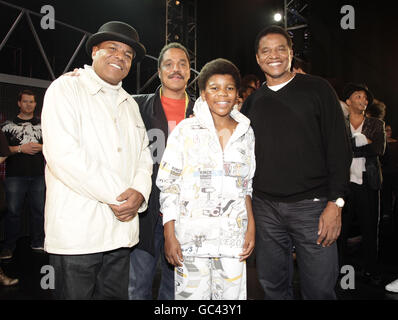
(277, 17)
(177, 3)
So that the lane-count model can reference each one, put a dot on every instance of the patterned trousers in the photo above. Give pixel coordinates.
(210, 279)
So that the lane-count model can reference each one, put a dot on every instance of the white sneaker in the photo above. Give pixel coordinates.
(393, 286)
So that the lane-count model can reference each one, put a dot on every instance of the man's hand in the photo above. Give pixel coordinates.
(172, 248)
(329, 225)
(250, 235)
(74, 73)
(129, 209)
(31, 148)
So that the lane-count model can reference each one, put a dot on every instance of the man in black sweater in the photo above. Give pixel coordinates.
(303, 159)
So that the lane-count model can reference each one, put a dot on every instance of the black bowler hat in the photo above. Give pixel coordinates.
(350, 88)
(117, 31)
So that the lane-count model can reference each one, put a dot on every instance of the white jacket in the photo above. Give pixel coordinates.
(94, 152)
(203, 188)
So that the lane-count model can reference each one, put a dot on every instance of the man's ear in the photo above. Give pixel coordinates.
(94, 52)
(202, 94)
(291, 57)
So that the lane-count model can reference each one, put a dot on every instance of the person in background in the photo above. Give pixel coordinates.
(300, 66)
(376, 110)
(249, 84)
(24, 175)
(4, 153)
(389, 190)
(368, 145)
(389, 166)
(251, 81)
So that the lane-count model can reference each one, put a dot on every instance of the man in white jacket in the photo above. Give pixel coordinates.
(98, 172)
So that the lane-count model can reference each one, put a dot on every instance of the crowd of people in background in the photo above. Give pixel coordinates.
(119, 185)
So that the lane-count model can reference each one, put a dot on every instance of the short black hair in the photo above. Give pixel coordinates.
(377, 109)
(249, 78)
(171, 45)
(273, 30)
(27, 92)
(300, 63)
(218, 66)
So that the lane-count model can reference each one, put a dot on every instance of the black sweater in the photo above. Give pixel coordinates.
(302, 147)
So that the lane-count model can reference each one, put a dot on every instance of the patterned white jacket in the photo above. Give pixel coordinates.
(203, 188)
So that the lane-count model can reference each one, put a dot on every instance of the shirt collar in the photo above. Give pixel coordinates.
(94, 84)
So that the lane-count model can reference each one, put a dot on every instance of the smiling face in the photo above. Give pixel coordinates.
(174, 71)
(357, 102)
(220, 94)
(112, 60)
(274, 58)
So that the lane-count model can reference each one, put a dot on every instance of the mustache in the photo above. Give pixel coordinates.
(175, 74)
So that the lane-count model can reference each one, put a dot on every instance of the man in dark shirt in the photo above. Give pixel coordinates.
(161, 112)
(4, 153)
(24, 175)
(303, 159)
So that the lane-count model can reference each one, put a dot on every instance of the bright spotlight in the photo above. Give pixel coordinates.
(277, 17)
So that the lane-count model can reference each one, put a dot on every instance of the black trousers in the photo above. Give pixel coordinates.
(362, 203)
(389, 194)
(279, 226)
(103, 275)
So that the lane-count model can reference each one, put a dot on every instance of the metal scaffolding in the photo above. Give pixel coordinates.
(181, 27)
(28, 14)
(296, 23)
(186, 25)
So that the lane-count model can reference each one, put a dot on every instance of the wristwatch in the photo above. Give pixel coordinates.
(19, 149)
(339, 202)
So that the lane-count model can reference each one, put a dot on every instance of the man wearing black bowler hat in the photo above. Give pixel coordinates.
(98, 171)
(368, 144)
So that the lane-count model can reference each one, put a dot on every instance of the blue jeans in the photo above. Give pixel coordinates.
(279, 226)
(143, 268)
(17, 189)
